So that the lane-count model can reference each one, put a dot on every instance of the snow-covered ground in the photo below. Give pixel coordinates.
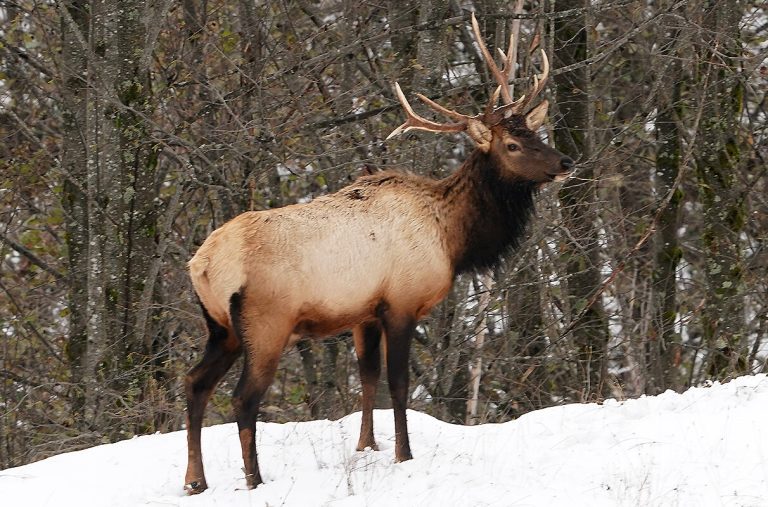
(708, 446)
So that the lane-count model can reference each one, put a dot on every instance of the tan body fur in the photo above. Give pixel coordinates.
(333, 261)
(374, 257)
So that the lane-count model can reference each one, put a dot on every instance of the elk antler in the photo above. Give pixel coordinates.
(539, 80)
(473, 125)
(478, 127)
(502, 75)
(414, 121)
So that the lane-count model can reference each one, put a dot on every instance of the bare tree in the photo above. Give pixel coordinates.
(132, 129)
(574, 135)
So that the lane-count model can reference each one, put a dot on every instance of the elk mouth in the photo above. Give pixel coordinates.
(559, 176)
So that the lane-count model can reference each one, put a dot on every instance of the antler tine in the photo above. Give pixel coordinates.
(509, 57)
(539, 80)
(544, 72)
(414, 121)
(442, 110)
(492, 103)
(501, 75)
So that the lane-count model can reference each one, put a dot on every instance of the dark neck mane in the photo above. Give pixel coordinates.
(486, 215)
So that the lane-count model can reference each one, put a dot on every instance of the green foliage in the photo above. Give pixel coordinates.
(297, 395)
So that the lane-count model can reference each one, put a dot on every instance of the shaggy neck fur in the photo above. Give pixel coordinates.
(486, 215)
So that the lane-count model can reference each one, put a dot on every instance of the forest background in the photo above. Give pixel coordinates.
(131, 129)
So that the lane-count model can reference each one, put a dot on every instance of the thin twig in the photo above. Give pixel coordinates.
(34, 259)
(664, 203)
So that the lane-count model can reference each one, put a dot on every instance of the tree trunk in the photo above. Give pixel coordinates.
(74, 159)
(665, 347)
(111, 196)
(717, 165)
(483, 285)
(577, 198)
(449, 355)
(526, 349)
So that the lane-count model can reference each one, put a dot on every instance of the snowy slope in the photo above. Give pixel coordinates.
(708, 446)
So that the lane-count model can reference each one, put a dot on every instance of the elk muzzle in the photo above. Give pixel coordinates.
(566, 167)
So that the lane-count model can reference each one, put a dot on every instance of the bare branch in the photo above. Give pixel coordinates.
(34, 259)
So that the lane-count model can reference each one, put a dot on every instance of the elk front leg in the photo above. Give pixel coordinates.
(398, 331)
(256, 378)
(367, 338)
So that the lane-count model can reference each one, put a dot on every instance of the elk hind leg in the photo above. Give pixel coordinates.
(222, 349)
(263, 343)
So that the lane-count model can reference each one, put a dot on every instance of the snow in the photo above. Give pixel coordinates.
(704, 447)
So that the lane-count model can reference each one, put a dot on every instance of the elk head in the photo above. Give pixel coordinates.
(507, 133)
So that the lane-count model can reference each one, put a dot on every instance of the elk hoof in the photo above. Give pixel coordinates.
(400, 457)
(252, 481)
(195, 487)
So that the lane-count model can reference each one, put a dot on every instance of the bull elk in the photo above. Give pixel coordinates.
(374, 257)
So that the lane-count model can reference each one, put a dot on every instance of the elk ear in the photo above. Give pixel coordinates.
(480, 134)
(536, 116)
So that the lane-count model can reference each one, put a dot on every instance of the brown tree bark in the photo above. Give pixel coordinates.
(717, 166)
(74, 157)
(577, 198)
(111, 195)
(666, 347)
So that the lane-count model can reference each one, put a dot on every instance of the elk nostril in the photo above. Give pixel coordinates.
(567, 163)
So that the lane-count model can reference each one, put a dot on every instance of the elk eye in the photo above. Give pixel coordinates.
(512, 147)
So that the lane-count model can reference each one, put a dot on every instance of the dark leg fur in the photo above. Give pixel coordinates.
(398, 331)
(220, 352)
(258, 372)
(367, 339)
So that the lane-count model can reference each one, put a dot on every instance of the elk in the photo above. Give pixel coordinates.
(374, 257)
